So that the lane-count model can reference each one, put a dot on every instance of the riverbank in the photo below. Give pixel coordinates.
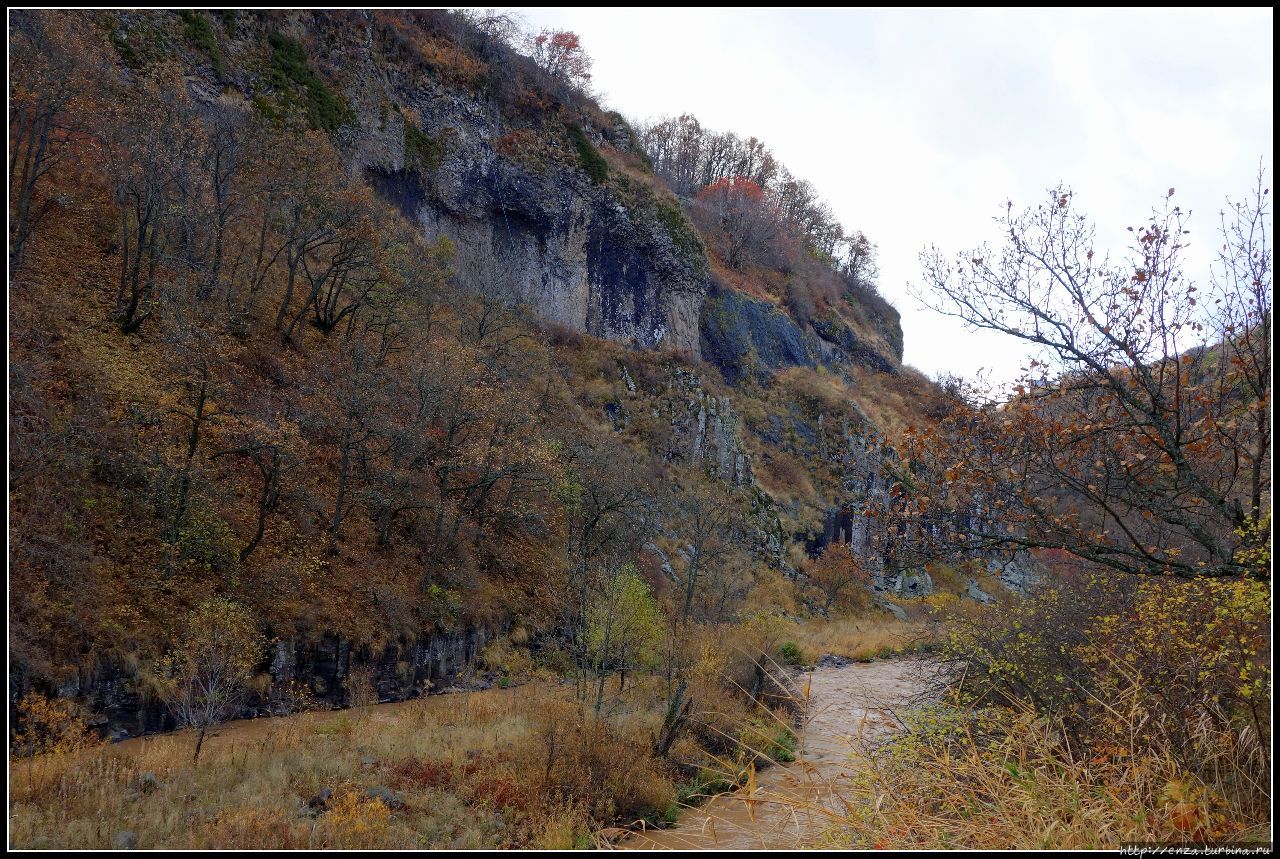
(497, 768)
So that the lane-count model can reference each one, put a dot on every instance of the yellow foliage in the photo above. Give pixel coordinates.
(353, 821)
(51, 725)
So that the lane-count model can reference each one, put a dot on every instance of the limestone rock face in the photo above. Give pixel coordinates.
(531, 230)
(604, 256)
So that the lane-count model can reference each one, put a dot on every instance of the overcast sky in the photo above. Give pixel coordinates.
(916, 126)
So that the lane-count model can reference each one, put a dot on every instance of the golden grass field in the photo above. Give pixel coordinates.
(467, 767)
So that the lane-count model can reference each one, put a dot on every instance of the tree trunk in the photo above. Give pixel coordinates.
(336, 522)
(757, 683)
(199, 743)
(677, 712)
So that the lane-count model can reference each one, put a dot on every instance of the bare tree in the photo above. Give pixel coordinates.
(153, 144)
(51, 57)
(703, 520)
(1140, 436)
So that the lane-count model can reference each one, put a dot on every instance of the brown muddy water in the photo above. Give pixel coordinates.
(793, 804)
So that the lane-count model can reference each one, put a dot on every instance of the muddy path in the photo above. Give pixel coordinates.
(792, 803)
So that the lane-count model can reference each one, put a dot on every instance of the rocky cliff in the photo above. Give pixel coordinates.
(546, 201)
(528, 221)
(536, 214)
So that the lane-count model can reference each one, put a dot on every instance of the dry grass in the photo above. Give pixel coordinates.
(1090, 714)
(1010, 780)
(860, 638)
(519, 767)
(785, 477)
(469, 768)
(893, 401)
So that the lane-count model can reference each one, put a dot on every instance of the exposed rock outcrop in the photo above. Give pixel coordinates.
(527, 226)
(743, 336)
(321, 667)
(865, 487)
(708, 431)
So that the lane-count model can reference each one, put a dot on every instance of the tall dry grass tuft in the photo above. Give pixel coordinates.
(860, 638)
(1009, 779)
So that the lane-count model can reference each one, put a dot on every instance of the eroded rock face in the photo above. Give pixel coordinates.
(1014, 573)
(397, 671)
(743, 335)
(974, 592)
(536, 232)
(528, 224)
(908, 583)
(708, 432)
(863, 458)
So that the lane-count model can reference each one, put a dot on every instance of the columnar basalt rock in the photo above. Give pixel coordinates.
(866, 487)
(706, 428)
(302, 673)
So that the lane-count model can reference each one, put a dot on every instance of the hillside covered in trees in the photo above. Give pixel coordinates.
(384, 331)
(358, 355)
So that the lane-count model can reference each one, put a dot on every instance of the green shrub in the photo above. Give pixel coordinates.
(785, 743)
(289, 71)
(228, 19)
(422, 152)
(590, 159)
(142, 45)
(791, 653)
(706, 784)
(688, 243)
(207, 539)
(199, 32)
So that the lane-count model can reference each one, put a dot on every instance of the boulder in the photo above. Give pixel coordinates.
(390, 798)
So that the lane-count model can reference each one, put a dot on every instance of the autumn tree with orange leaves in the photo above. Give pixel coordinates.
(838, 577)
(560, 54)
(737, 216)
(1139, 438)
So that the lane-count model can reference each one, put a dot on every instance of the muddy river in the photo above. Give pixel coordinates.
(793, 803)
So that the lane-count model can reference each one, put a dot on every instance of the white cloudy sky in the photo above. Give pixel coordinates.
(916, 126)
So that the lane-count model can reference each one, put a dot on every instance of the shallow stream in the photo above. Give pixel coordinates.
(793, 804)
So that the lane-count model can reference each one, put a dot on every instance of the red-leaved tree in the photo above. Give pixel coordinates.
(560, 54)
(735, 213)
